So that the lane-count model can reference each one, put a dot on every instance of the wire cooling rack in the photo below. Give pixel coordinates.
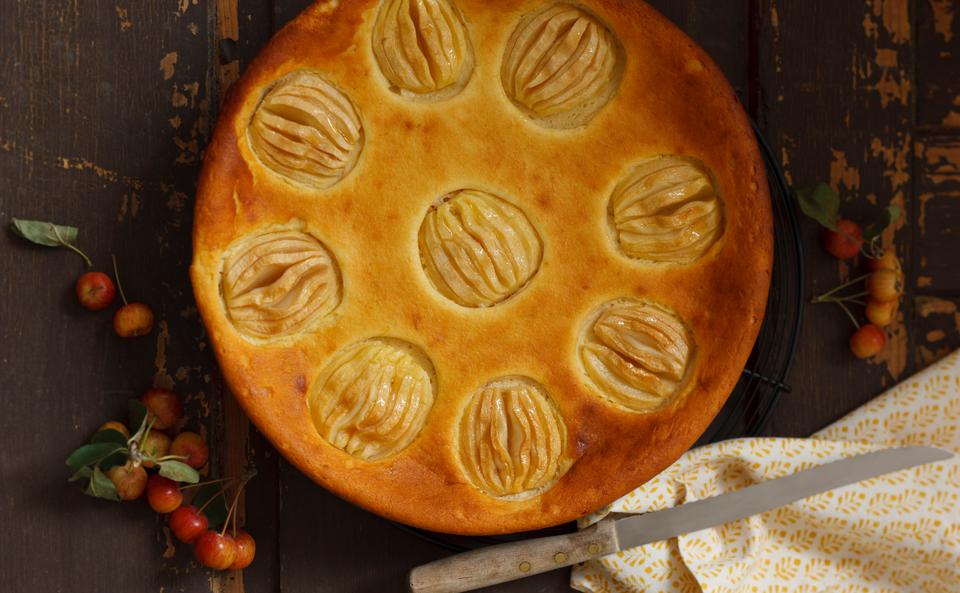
(763, 380)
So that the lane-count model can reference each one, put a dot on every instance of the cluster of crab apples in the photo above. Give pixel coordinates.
(880, 288)
(221, 549)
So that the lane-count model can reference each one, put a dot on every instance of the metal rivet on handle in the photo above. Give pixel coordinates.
(593, 548)
(524, 566)
(559, 557)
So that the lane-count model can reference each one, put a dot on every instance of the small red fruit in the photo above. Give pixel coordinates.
(157, 444)
(214, 550)
(845, 242)
(164, 406)
(885, 285)
(191, 446)
(117, 426)
(187, 523)
(881, 313)
(132, 320)
(163, 494)
(130, 480)
(887, 261)
(246, 550)
(867, 341)
(95, 291)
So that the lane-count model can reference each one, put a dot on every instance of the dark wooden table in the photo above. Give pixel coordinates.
(105, 108)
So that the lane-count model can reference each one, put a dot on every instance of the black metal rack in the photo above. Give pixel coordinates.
(764, 376)
(763, 381)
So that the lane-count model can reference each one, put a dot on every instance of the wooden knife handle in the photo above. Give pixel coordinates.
(515, 560)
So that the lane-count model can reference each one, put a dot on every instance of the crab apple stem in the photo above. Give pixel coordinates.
(71, 246)
(825, 296)
(206, 483)
(116, 274)
(76, 250)
(235, 524)
(233, 506)
(212, 498)
(849, 314)
(875, 250)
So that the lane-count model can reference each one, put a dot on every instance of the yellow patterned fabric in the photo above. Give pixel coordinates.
(899, 533)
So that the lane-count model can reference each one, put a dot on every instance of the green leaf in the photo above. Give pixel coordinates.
(84, 473)
(101, 486)
(92, 454)
(138, 415)
(118, 458)
(888, 217)
(44, 233)
(179, 471)
(216, 511)
(109, 436)
(820, 203)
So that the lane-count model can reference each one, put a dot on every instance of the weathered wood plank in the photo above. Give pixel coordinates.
(833, 94)
(937, 245)
(938, 53)
(102, 117)
(938, 217)
(937, 323)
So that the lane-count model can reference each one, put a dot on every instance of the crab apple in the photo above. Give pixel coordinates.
(190, 445)
(885, 285)
(867, 341)
(187, 523)
(129, 479)
(117, 426)
(132, 320)
(163, 494)
(845, 242)
(156, 444)
(95, 291)
(887, 261)
(881, 313)
(215, 550)
(165, 407)
(246, 550)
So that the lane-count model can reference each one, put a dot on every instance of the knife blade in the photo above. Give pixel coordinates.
(506, 562)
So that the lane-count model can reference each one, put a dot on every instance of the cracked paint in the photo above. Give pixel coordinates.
(82, 164)
(123, 16)
(168, 65)
(161, 377)
(943, 18)
(842, 172)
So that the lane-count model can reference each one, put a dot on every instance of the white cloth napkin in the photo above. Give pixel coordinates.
(899, 533)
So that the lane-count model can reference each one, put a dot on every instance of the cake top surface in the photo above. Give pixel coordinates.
(482, 267)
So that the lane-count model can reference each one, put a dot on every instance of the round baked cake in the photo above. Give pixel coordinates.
(482, 266)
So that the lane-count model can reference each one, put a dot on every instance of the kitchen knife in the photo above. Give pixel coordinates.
(510, 561)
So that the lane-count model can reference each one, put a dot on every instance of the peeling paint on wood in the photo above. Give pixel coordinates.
(123, 16)
(842, 173)
(943, 17)
(927, 306)
(168, 65)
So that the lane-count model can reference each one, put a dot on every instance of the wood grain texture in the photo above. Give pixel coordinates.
(104, 111)
(103, 114)
(234, 447)
(839, 109)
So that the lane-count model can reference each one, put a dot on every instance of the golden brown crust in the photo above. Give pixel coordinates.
(671, 100)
